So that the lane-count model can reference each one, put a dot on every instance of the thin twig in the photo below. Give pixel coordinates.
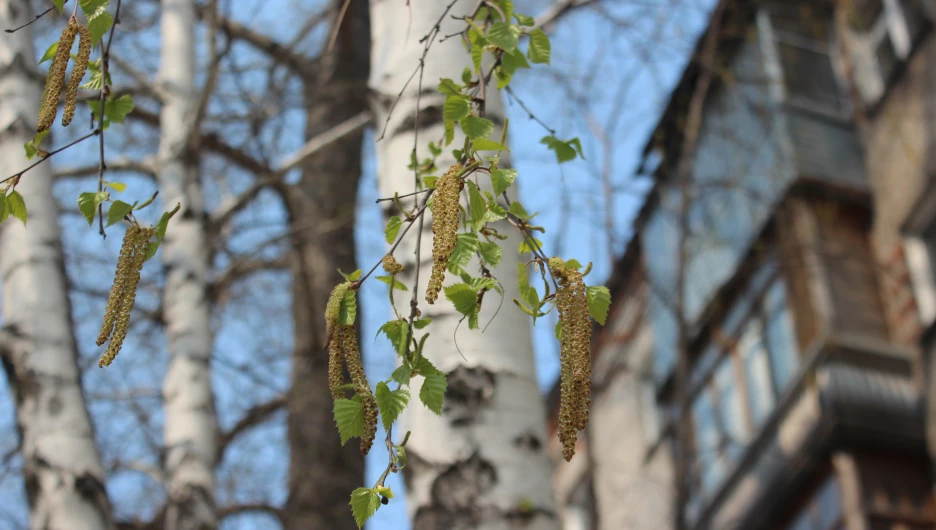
(51, 153)
(105, 91)
(40, 15)
(385, 199)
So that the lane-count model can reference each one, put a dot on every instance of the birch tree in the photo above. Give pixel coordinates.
(191, 426)
(62, 471)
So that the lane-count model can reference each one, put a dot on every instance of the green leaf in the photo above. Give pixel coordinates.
(432, 393)
(16, 206)
(465, 247)
(475, 127)
(573, 264)
(599, 300)
(391, 403)
(116, 186)
(503, 76)
(393, 282)
(524, 20)
(456, 108)
(117, 212)
(349, 416)
(402, 374)
(400, 459)
(473, 318)
(466, 75)
(476, 205)
(59, 4)
(386, 492)
(91, 7)
(99, 25)
(483, 144)
(393, 228)
(449, 87)
(463, 297)
(519, 211)
(422, 323)
(364, 502)
(50, 52)
(527, 292)
(353, 277)
(430, 182)
(539, 47)
(565, 151)
(31, 151)
(151, 250)
(116, 110)
(503, 35)
(426, 368)
(396, 331)
(88, 203)
(495, 212)
(491, 253)
(163, 223)
(501, 179)
(525, 245)
(4, 209)
(348, 309)
(512, 61)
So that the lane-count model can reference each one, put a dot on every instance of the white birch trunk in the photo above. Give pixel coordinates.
(483, 463)
(61, 467)
(191, 426)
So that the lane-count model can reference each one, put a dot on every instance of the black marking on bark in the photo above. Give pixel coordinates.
(528, 441)
(469, 390)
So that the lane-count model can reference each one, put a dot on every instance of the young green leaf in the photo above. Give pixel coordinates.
(512, 61)
(466, 76)
(59, 4)
(117, 212)
(465, 247)
(491, 253)
(16, 206)
(503, 35)
(527, 292)
(565, 151)
(463, 297)
(475, 127)
(420, 324)
(432, 392)
(4, 209)
(348, 309)
(524, 20)
(393, 228)
(391, 403)
(539, 47)
(476, 205)
(599, 300)
(393, 282)
(116, 186)
(49, 53)
(99, 25)
(402, 374)
(449, 87)
(484, 144)
(396, 331)
(501, 179)
(520, 212)
(353, 277)
(349, 416)
(527, 246)
(92, 7)
(88, 203)
(364, 502)
(573, 264)
(456, 108)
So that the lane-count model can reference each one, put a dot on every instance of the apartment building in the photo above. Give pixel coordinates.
(806, 290)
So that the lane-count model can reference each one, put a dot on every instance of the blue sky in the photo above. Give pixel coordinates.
(614, 63)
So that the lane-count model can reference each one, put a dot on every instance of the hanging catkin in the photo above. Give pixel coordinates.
(56, 77)
(574, 354)
(123, 292)
(81, 65)
(444, 227)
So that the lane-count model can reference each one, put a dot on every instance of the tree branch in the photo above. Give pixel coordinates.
(253, 417)
(144, 167)
(557, 10)
(300, 64)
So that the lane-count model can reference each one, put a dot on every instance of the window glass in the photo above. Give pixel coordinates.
(706, 440)
(781, 340)
(757, 372)
(730, 409)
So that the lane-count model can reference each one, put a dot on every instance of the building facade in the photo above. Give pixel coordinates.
(806, 287)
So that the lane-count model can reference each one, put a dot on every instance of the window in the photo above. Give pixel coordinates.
(881, 35)
(802, 36)
(748, 365)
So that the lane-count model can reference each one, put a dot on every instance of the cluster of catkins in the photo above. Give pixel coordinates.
(574, 354)
(123, 292)
(343, 344)
(391, 266)
(56, 77)
(444, 227)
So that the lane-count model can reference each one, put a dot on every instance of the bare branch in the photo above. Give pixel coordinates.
(557, 10)
(144, 167)
(299, 63)
(255, 416)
